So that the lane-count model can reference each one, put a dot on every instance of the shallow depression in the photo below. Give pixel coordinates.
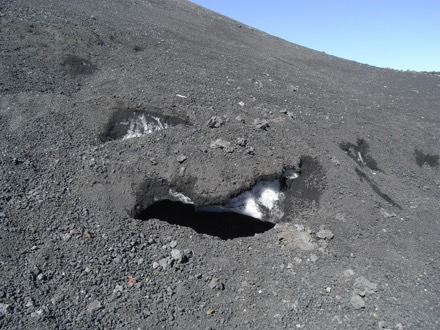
(127, 124)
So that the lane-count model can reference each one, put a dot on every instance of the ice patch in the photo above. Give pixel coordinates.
(139, 126)
(180, 197)
(262, 201)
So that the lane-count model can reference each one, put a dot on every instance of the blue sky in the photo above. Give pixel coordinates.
(402, 35)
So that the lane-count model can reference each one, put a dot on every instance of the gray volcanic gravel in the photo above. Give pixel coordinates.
(127, 128)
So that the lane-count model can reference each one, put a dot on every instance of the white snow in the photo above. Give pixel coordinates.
(263, 198)
(180, 197)
(140, 126)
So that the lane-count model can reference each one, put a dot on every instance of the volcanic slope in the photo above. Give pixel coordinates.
(163, 166)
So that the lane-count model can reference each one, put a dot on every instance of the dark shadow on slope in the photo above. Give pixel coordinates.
(362, 176)
(305, 192)
(422, 158)
(359, 153)
(226, 225)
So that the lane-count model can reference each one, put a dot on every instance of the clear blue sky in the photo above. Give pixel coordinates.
(402, 35)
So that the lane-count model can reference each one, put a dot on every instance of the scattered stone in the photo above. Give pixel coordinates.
(283, 111)
(250, 150)
(177, 255)
(181, 158)
(219, 143)
(4, 309)
(335, 161)
(387, 214)
(328, 289)
(56, 298)
(357, 302)
(41, 277)
(94, 306)
(241, 104)
(187, 253)
(222, 144)
(298, 238)
(364, 287)
(155, 265)
(340, 217)
(66, 237)
(325, 234)
(215, 122)
(88, 234)
(216, 284)
(29, 302)
(241, 142)
(348, 272)
(261, 124)
(240, 119)
(165, 262)
(140, 261)
(297, 260)
(292, 88)
(313, 258)
(37, 313)
(323, 244)
(182, 170)
(382, 325)
(118, 289)
(173, 244)
(210, 311)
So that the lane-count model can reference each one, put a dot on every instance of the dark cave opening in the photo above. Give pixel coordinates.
(225, 225)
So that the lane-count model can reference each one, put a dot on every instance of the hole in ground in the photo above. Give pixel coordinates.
(272, 199)
(226, 225)
(128, 123)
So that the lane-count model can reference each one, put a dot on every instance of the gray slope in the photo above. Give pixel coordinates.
(68, 196)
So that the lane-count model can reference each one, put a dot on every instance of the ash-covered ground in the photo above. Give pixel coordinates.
(165, 167)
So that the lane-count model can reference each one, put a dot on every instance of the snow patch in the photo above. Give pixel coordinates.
(180, 197)
(262, 201)
(139, 126)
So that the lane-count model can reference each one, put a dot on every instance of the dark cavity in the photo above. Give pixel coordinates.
(359, 153)
(422, 158)
(226, 225)
(302, 192)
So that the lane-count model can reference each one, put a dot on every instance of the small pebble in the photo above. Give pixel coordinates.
(357, 302)
(94, 306)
